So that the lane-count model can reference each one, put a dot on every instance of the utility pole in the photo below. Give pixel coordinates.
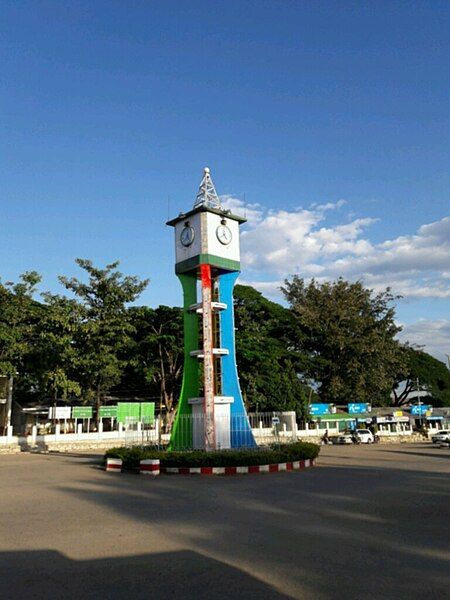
(448, 361)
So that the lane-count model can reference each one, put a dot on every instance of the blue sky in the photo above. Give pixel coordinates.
(327, 122)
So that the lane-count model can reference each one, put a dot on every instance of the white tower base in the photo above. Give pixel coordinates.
(222, 406)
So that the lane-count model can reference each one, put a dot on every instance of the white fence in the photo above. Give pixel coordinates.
(267, 428)
(121, 437)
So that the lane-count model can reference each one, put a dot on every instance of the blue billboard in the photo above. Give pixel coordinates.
(356, 408)
(319, 409)
(420, 409)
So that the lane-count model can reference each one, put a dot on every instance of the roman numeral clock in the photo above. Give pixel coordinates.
(211, 413)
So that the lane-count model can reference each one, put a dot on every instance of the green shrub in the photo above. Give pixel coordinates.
(224, 458)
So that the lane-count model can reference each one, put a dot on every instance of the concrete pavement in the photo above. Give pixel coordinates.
(367, 522)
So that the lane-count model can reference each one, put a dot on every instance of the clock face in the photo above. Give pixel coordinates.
(187, 236)
(224, 235)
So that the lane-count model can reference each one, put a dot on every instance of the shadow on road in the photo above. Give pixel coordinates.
(331, 532)
(185, 574)
(440, 453)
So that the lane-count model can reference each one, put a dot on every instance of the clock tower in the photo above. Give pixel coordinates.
(211, 413)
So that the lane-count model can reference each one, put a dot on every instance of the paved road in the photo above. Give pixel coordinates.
(368, 522)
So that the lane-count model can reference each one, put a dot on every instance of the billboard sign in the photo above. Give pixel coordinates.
(316, 410)
(135, 412)
(82, 412)
(147, 412)
(128, 412)
(356, 408)
(108, 411)
(421, 409)
(59, 412)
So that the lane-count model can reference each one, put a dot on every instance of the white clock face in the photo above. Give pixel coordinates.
(187, 236)
(224, 235)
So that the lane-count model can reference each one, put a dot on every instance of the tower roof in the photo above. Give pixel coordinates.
(207, 200)
(207, 195)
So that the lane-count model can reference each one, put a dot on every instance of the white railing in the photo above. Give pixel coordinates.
(267, 428)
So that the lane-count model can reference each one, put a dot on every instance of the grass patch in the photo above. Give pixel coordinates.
(224, 458)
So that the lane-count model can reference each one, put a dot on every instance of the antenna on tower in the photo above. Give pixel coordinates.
(207, 195)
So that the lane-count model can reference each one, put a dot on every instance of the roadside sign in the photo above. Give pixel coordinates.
(59, 412)
(358, 408)
(420, 409)
(147, 412)
(128, 412)
(82, 412)
(275, 420)
(134, 412)
(108, 411)
(319, 409)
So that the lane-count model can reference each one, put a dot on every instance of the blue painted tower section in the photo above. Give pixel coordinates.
(241, 432)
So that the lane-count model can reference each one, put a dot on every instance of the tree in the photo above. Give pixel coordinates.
(105, 326)
(157, 352)
(18, 316)
(55, 355)
(431, 373)
(268, 353)
(349, 333)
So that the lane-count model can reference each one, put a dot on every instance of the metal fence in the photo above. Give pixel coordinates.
(235, 431)
(140, 434)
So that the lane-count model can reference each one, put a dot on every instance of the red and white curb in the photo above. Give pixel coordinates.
(114, 465)
(149, 467)
(276, 468)
(152, 467)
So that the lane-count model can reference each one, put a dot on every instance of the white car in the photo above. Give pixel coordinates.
(365, 436)
(344, 438)
(441, 436)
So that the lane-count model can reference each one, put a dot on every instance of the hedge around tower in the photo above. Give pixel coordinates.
(225, 458)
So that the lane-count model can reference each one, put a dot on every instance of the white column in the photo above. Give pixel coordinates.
(34, 435)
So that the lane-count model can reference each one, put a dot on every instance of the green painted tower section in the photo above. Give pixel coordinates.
(182, 429)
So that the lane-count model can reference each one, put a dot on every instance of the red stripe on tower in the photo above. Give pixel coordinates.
(205, 275)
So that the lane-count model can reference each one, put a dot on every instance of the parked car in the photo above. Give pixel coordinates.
(441, 436)
(365, 436)
(344, 438)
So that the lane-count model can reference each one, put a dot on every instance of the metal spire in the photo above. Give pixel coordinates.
(207, 195)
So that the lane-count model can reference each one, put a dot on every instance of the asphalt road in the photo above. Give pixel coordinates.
(367, 522)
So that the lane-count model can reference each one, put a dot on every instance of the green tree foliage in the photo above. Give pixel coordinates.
(340, 335)
(268, 356)
(349, 334)
(55, 354)
(19, 314)
(156, 353)
(104, 328)
(432, 375)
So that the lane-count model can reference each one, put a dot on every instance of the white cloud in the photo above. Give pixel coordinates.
(433, 335)
(277, 243)
(252, 212)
